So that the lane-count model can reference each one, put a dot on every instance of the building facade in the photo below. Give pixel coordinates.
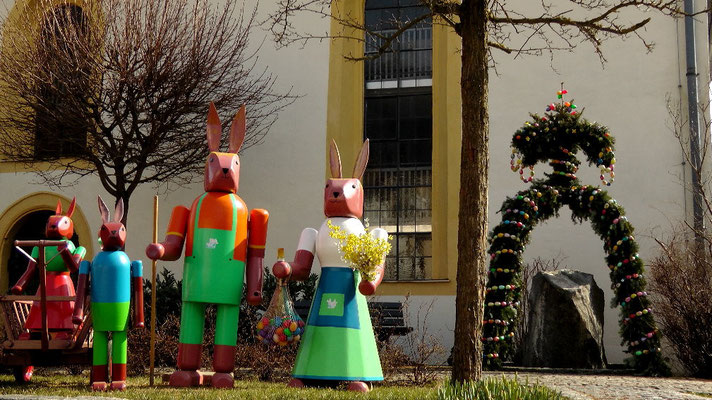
(408, 105)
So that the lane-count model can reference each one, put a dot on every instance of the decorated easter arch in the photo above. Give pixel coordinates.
(556, 138)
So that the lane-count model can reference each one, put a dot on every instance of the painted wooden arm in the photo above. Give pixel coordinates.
(72, 259)
(82, 286)
(300, 268)
(172, 246)
(304, 256)
(255, 254)
(22, 282)
(137, 278)
(368, 288)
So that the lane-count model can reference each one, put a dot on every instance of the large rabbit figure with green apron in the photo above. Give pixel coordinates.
(338, 343)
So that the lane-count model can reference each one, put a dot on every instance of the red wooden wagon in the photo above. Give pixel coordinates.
(43, 351)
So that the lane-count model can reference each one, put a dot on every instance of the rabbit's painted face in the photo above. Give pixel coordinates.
(59, 226)
(113, 236)
(222, 172)
(343, 198)
(112, 232)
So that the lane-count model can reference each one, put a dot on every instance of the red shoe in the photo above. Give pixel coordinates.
(222, 380)
(358, 386)
(295, 383)
(185, 379)
(23, 374)
(118, 385)
(99, 386)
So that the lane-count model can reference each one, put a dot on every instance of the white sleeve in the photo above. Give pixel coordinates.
(380, 233)
(307, 240)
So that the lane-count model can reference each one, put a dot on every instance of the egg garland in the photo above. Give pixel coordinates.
(557, 138)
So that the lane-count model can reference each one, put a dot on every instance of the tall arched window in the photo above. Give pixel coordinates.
(60, 123)
(398, 121)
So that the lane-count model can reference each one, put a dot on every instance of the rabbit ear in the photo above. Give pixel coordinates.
(334, 160)
(103, 210)
(237, 131)
(361, 161)
(72, 205)
(58, 210)
(119, 210)
(214, 129)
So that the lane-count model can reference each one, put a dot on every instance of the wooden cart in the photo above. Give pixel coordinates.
(43, 351)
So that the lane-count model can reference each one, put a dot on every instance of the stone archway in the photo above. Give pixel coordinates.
(556, 138)
(27, 210)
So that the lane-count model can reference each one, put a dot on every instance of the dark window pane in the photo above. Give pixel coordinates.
(399, 123)
(60, 126)
(384, 154)
(415, 153)
(370, 4)
(408, 14)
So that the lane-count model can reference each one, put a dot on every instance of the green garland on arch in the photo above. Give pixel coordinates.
(556, 138)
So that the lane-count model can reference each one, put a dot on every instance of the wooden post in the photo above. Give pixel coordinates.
(43, 295)
(153, 292)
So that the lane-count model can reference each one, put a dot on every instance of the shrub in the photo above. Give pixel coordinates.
(681, 291)
(265, 363)
(500, 389)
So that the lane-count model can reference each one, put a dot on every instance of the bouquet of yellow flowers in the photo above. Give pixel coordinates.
(363, 252)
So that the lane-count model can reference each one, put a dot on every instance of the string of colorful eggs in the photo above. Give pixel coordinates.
(626, 260)
(523, 207)
(587, 203)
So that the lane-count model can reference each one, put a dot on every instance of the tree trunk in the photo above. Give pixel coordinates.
(474, 171)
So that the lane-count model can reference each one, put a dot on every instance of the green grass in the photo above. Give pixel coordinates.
(59, 385)
(496, 389)
(488, 389)
(705, 395)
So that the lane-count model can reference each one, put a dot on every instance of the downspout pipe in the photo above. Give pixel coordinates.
(693, 114)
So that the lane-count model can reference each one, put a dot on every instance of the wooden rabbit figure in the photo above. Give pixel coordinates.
(221, 241)
(59, 313)
(110, 276)
(338, 343)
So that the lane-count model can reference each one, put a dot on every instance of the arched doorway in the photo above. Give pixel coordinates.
(26, 219)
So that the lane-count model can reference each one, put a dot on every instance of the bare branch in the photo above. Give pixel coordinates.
(124, 96)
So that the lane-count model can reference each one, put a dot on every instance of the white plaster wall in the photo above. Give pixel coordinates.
(629, 96)
(286, 173)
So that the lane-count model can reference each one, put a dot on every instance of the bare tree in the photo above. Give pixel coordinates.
(515, 28)
(120, 88)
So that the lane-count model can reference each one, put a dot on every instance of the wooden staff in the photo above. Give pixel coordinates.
(153, 292)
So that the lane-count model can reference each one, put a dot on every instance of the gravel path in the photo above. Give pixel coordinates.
(612, 387)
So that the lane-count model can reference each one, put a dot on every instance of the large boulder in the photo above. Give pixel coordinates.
(565, 324)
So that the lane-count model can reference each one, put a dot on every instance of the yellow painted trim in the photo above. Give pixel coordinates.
(18, 166)
(175, 233)
(37, 201)
(345, 125)
(344, 115)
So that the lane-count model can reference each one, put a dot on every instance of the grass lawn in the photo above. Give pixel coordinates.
(67, 385)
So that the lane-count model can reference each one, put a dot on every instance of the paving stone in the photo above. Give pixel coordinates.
(608, 387)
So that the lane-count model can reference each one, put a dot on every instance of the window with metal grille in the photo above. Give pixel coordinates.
(60, 127)
(398, 122)
(409, 61)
